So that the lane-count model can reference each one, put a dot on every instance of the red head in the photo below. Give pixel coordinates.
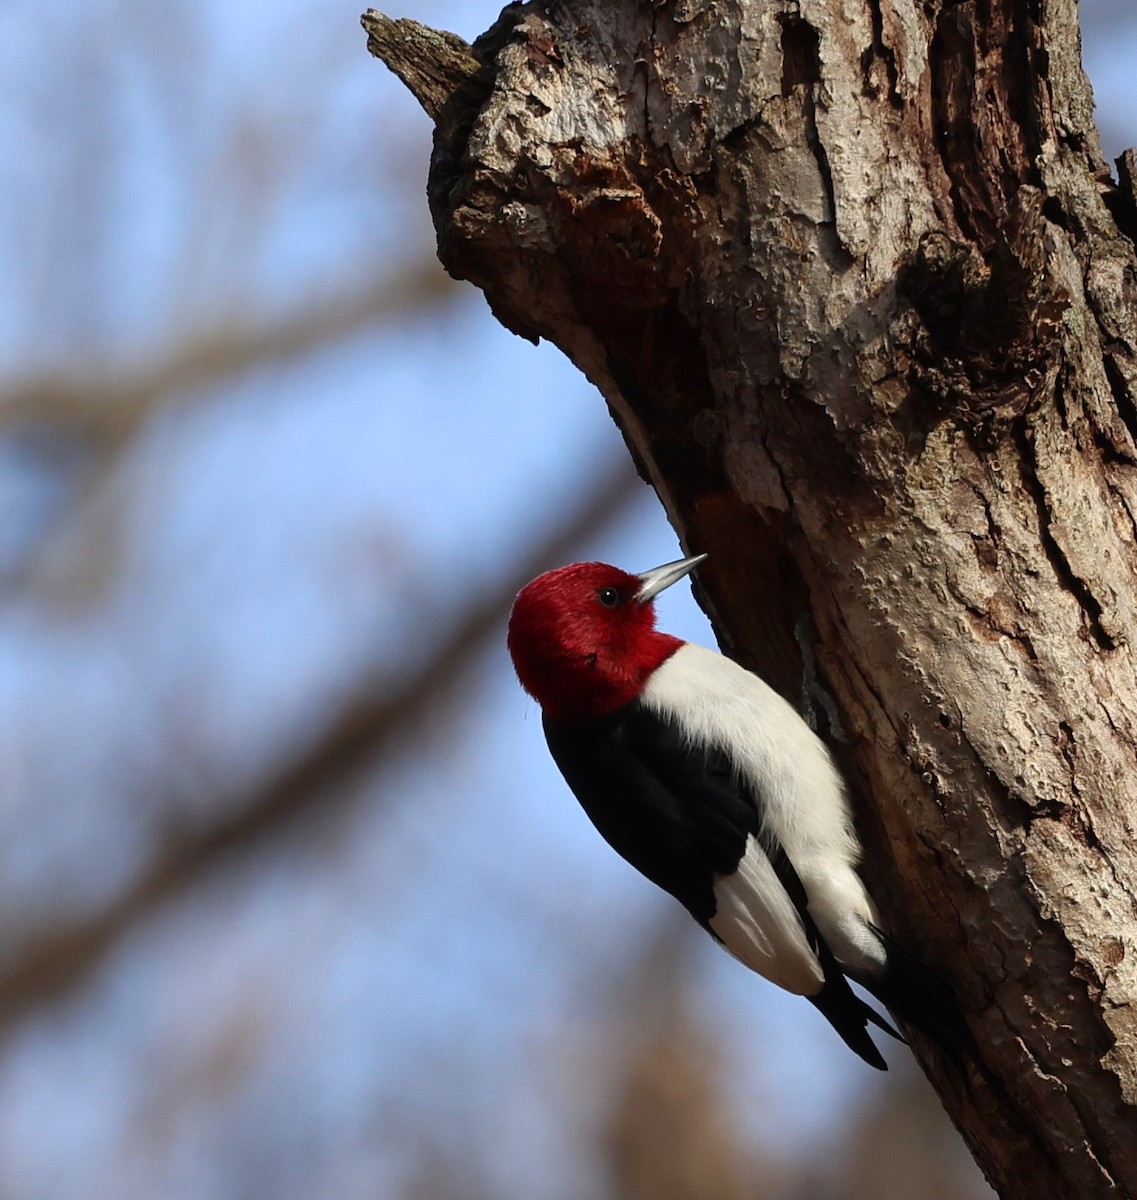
(583, 638)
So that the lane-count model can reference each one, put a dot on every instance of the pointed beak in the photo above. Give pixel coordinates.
(653, 582)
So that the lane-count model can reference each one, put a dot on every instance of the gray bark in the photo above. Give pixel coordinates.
(859, 291)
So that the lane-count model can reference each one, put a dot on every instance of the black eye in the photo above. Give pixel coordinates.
(608, 596)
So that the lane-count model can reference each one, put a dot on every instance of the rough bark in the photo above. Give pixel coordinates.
(859, 291)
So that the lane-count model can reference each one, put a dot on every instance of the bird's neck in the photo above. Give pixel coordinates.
(581, 688)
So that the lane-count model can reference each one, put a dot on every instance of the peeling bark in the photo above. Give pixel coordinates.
(860, 293)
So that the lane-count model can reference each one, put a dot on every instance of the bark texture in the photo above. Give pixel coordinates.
(860, 293)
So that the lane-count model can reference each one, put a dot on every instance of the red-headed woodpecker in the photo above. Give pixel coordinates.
(707, 782)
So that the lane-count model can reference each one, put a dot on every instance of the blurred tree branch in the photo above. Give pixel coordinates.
(671, 1133)
(370, 723)
(110, 402)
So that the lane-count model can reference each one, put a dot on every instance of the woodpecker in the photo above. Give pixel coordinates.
(709, 783)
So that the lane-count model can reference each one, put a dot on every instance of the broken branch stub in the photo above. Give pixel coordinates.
(434, 65)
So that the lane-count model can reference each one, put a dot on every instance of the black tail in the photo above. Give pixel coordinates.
(921, 998)
(850, 1015)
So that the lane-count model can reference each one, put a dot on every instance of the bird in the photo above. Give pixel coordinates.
(708, 782)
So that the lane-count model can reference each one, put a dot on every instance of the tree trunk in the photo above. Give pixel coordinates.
(859, 291)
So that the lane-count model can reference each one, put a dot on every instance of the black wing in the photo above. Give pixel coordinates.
(678, 814)
(667, 809)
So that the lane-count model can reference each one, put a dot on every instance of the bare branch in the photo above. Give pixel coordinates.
(434, 64)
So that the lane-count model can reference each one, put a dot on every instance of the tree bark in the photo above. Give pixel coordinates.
(859, 291)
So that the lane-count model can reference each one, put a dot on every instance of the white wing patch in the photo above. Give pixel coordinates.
(756, 921)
